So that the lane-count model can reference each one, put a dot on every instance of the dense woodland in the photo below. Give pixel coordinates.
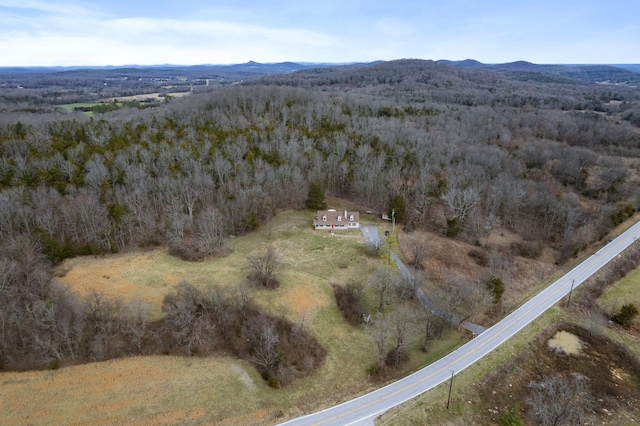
(461, 151)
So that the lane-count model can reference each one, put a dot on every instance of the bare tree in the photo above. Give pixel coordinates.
(418, 251)
(432, 326)
(263, 344)
(379, 331)
(263, 268)
(401, 323)
(463, 298)
(104, 326)
(210, 225)
(136, 324)
(461, 203)
(375, 247)
(382, 282)
(187, 319)
(558, 400)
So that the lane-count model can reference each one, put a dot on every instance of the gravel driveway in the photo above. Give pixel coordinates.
(371, 236)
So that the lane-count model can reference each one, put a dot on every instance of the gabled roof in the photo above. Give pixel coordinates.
(333, 215)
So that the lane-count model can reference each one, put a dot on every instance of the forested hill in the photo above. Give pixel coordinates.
(39, 87)
(521, 71)
(456, 151)
(525, 71)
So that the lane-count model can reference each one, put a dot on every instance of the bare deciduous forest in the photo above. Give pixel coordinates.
(464, 151)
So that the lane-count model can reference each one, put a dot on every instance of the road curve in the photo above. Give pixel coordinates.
(363, 409)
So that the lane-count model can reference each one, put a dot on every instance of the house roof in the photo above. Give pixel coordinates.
(332, 217)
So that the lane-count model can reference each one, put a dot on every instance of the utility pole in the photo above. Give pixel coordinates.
(393, 220)
(570, 291)
(450, 386)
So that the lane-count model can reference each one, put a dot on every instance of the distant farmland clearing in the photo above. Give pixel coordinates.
(141, 98)
(150, 97)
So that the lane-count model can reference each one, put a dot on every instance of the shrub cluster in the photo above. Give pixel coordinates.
(204, 322)
(496, 286)
(396, 357)
(527, 248)
(43, 323)
(479, 256)
(626, 315)
(191, 250)
(349, 300)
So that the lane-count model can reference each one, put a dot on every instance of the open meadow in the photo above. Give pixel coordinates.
(194, 390)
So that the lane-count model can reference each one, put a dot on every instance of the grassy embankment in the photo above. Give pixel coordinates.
(627, 290)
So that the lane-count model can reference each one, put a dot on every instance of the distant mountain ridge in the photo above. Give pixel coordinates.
(523, 70)
(519, 70)
(248, 68)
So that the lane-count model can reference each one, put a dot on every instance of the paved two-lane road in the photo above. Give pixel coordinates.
(367, 407)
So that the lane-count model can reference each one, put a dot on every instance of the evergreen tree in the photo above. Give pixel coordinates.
(626, 315)
(398, 206)
(315, 198)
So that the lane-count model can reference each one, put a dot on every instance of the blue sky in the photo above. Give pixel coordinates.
(119, 32)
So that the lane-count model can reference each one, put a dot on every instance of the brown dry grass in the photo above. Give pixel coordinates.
(147, 276)
(174, 390)
(221, 390)
(449, 255)
(141, 390)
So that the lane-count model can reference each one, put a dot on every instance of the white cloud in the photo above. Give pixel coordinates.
(92, 39)
(145, 27)
(52, 7)
(147, 41)
(38, 32)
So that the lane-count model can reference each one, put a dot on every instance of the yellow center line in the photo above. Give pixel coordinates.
(450, 364)
(495, 331)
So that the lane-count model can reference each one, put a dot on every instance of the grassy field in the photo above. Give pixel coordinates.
(146, 97)
(70, 107)
(120, 100)
(625, 291)
(175, 390)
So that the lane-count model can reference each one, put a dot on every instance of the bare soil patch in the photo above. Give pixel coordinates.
(565, 342)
